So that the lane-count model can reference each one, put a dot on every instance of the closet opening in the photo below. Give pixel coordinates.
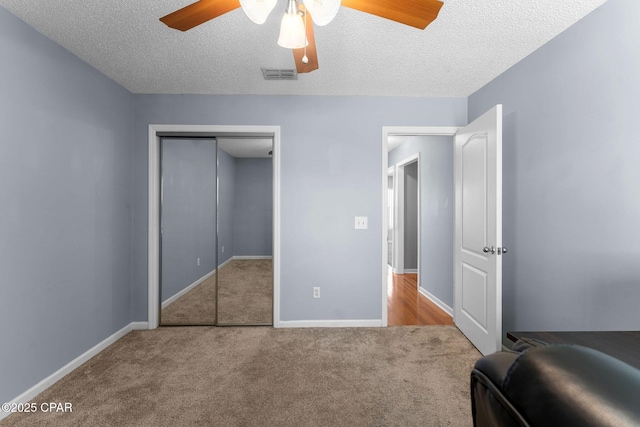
(213, 225)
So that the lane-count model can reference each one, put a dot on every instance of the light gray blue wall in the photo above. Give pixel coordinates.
(65, 218)
(436, 211)
(226, 203)
(188, 214)
(411, 217)
(331, 171)
(253, 209)
(572, 176)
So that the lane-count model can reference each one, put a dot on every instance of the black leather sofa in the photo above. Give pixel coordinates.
(554, 385)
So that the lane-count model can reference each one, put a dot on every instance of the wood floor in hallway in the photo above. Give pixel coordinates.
(407, 306)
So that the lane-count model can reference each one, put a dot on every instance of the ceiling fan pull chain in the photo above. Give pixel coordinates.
(305, 60)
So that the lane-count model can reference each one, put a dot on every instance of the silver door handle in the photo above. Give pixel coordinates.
(502, 250)
(487, 249)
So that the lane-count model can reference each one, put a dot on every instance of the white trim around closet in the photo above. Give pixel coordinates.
(153, 259)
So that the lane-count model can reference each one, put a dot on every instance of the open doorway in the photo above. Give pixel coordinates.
(404, 226)
(406, 305)
(418, 259)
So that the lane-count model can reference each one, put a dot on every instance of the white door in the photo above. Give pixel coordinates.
(478, 231)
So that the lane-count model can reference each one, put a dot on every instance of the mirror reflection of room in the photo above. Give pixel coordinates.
(188, 231)
(216, 231)
(245, 231)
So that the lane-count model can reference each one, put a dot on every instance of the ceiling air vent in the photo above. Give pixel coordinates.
(279, 74)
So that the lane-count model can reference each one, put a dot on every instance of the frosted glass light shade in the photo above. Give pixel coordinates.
(292, 34)
(322, 11)
(258, 10)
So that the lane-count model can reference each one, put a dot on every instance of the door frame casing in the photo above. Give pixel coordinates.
(391, 172)
(153, 231)
(399, 131)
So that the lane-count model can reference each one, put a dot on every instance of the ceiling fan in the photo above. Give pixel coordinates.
(296, 30)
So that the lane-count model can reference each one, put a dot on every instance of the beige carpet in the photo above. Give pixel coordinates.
(245, 292)
(245, 297)
(257, 376)
(196, 307)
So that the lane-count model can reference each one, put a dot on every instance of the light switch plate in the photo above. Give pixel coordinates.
(361, 223)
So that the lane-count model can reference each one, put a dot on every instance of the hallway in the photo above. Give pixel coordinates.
(407, 306)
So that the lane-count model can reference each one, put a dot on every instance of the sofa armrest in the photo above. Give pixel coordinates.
(489, 404)
(555, 385)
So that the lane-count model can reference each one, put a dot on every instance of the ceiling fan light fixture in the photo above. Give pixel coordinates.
(258, 10)
(322, 11)
(292, 31)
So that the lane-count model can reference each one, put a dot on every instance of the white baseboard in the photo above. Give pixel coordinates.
(244, 257)
(28, 395)
(140, 326)
(434, 299)
(374, 323)
(411, 270)
(225, 263)
(171, 299)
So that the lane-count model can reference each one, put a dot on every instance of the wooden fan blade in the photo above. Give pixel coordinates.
(312, 55)
(198, 13)
(416, 13)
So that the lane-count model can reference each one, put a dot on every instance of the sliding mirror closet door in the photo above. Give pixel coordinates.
(245, 231)
(188, 231)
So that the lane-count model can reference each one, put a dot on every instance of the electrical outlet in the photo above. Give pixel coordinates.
(198, 261)
(223, 249)
(316, 292)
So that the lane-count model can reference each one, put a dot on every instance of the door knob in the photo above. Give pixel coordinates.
(502, 250)
(487, 249)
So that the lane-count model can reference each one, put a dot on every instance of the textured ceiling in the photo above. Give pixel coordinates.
(471, 42)
(246, 147)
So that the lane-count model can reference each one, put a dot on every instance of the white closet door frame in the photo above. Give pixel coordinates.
(153, 280)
